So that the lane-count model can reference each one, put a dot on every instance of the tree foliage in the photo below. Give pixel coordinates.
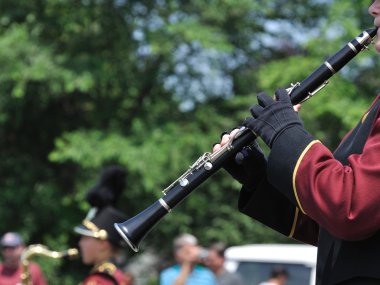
(150, 85)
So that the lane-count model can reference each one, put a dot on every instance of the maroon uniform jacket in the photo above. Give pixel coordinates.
(331, 200)
(105, 274)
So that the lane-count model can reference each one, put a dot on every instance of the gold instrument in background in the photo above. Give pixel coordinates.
(41, 250)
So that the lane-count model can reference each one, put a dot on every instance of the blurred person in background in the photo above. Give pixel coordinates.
(11, 268)
(215, 261)
(188, 270)
(100, 242)
(278, 276)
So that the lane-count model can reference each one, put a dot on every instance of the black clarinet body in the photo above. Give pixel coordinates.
(135, 229)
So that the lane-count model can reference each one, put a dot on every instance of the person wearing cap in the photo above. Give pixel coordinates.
(100, 242)
(188, 271)
(11, 268)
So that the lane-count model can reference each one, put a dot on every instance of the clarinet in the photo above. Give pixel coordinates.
(136, 228)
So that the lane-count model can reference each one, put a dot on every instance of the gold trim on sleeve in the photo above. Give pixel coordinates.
(365, 117)
(296, 169)
(294, 222)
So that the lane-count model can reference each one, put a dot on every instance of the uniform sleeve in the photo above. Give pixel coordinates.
(262, 202)
(343, 199)
(268, 206)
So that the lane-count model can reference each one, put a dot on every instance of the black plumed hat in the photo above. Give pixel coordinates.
(109, 187)
(99, 222)
(101, 225)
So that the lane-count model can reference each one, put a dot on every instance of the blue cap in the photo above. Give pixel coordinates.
(11, 239)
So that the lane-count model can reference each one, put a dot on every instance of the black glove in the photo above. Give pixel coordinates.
(270, 117)
(248, 166)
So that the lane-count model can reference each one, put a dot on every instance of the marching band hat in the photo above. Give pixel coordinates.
(101, 225)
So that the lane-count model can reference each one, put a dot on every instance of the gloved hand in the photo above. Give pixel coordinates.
(248, 166)
(271, 117)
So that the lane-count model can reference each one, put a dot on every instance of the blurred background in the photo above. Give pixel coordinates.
(151, 85)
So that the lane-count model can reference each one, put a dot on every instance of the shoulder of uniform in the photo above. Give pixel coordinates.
(98, 279)
(107, 267)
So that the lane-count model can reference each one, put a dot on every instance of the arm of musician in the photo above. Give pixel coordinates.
(341, 197)
(271, 208)
(262, 202)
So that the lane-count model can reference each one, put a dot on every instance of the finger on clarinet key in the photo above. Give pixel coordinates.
(297, 107)
(216, 147)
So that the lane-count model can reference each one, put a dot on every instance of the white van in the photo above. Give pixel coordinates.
(255, 262)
